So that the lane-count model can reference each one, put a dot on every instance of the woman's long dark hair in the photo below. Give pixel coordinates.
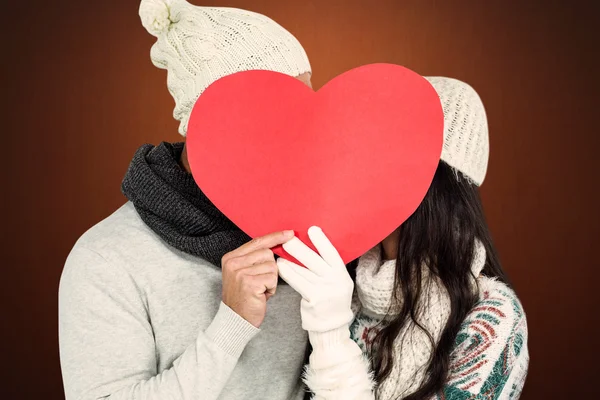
(440, 235)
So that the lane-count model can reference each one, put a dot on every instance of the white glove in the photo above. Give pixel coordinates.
(325, 285)
(337, 368)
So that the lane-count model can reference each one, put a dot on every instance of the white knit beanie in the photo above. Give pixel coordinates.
(466, 142)
(198, 45)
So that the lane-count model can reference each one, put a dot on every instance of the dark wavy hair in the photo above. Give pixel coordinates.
(440, 235)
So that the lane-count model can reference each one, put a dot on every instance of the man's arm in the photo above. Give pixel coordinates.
(107, 347)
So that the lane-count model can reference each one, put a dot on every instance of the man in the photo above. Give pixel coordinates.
(166, 298)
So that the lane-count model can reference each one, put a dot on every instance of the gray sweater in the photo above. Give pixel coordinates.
(139, 319)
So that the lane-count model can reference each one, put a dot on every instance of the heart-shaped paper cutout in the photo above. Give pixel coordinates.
(355, 158)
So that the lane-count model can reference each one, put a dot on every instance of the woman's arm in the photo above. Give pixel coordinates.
(491, 358)
(337, 368)
(107, 347)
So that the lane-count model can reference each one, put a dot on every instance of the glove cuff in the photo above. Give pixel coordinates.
(334, 321)
(332, 347)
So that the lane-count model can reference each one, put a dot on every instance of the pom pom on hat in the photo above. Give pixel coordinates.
(156, 15)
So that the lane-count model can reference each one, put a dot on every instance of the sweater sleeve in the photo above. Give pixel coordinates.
(490, 358)
(107, 347)
(337, 368)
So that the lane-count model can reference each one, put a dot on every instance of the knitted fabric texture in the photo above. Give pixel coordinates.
(168, 200)
(198, 45)
(466, 141)
(490, 356)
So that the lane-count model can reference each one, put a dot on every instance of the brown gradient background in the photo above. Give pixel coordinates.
(80, 95)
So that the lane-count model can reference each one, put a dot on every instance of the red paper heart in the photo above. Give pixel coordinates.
(355, 158)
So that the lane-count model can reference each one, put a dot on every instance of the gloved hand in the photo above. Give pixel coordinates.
(325, 285)
(337, 368)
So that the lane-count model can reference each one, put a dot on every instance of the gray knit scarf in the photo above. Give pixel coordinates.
(168, 200)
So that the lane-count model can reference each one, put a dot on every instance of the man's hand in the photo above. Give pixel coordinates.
(250, 276)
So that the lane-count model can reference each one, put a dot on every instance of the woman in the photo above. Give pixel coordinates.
(433, 312)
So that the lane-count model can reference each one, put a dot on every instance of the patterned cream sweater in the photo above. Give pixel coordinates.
(490, 357)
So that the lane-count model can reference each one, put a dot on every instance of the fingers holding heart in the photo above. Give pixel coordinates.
(299, 278)
(311, 260)
(325, 248)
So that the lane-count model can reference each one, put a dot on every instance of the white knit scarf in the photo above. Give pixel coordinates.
(374, 288)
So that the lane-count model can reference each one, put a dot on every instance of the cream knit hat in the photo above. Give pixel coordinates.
(466, 142)
(198, 45)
